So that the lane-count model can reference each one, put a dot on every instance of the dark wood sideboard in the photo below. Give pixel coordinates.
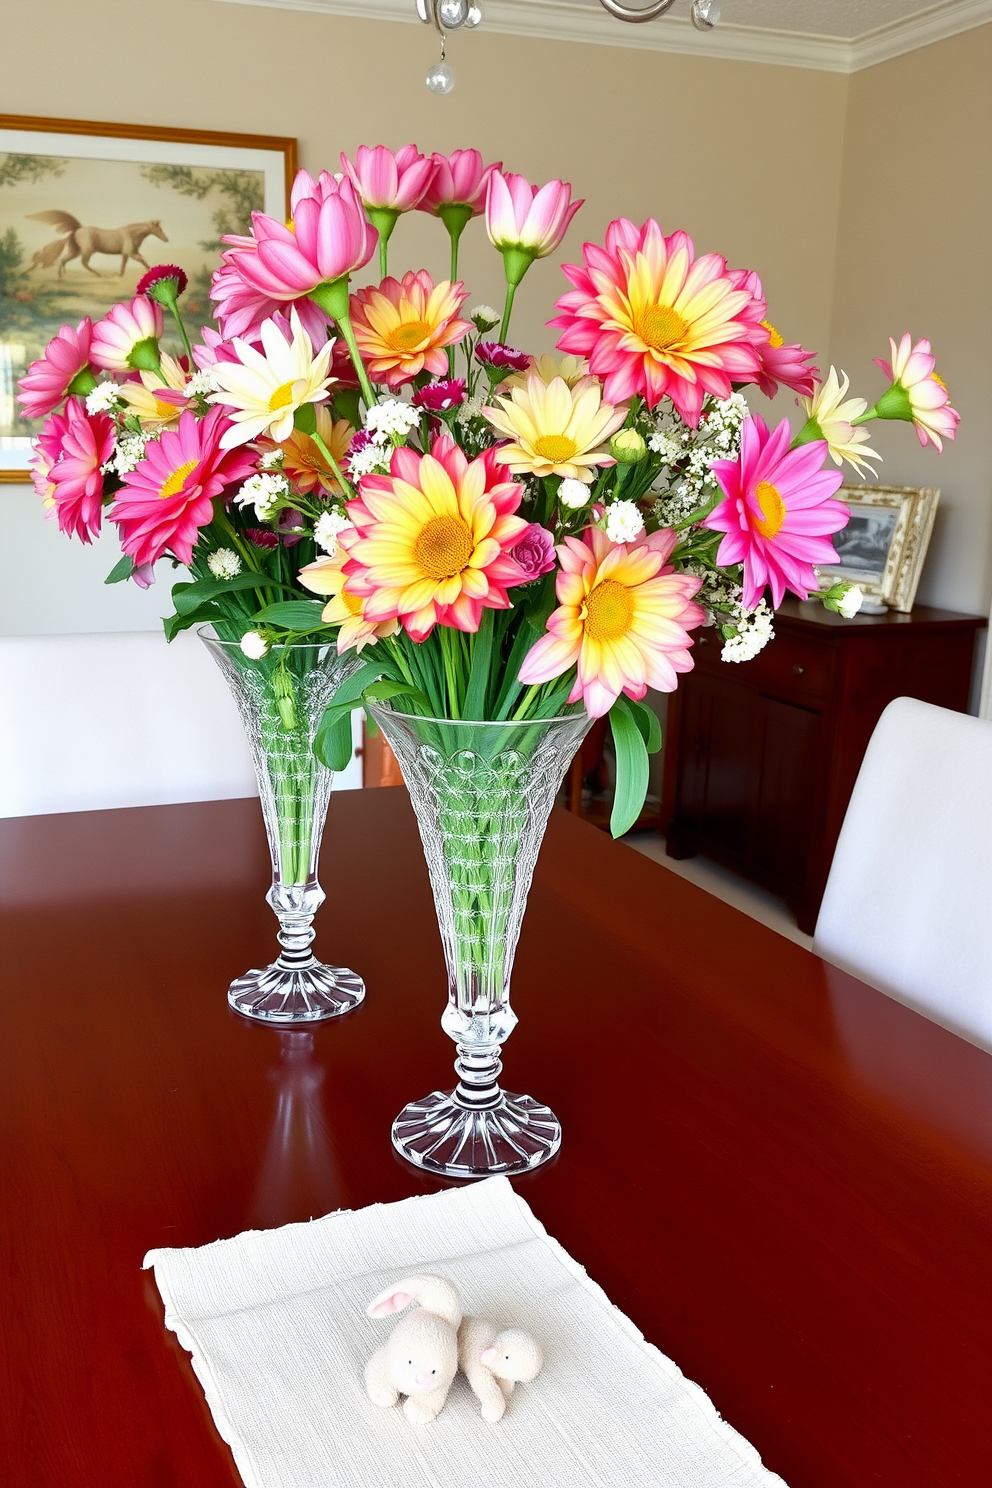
(761, 756)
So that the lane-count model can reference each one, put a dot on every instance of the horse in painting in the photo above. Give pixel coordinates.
(82, 242)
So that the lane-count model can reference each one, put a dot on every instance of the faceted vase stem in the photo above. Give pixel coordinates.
(281, 697)
(482, 793)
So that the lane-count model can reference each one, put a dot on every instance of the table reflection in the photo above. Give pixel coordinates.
(299, 1177)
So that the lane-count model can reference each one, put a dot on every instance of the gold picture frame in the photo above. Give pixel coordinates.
(158, 196)
(883, 547)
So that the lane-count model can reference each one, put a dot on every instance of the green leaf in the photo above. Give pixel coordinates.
(203, 616)
(341, 706)
(632, 768)
(122, 570)
(647, 721)
(478, 679)
(332, 746)
(382, 692)
(187, 596)
(305, 418)
(292, 614)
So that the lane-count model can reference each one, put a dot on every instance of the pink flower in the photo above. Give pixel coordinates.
(48, 380)
(384, 180)
(127, 338)
(431, 540)
(783, 365)
(87, 442)
(169, 496)
(917, 394)
(170, 276)
(241, 308)
(459, 179)
(329, 239)
(495, 354)
(654, 320)
(525, 217)
(435, 397)
(778, 514)
(534, 552)
(402, 327)
(261, 537)
(623, 620)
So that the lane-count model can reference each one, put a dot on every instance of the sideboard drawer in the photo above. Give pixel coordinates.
(787, 667)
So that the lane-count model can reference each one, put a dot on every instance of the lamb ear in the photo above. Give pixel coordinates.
(489, 1356)
(392, 1300)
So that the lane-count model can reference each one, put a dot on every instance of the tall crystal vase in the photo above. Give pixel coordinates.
(482, 793)
(281, 697)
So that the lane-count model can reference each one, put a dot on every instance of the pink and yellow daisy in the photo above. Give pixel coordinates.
(344, 608)
(432, 540)
(917, 394)
(655, 320)
(778, 514)
(62, 370)
(623, 620)
(169, 496)
(555, 429)
(303, 462)
(403, 327)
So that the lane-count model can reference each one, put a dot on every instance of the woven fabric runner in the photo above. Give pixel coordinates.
(276, 1325)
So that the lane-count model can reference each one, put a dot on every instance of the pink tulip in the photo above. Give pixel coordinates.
(63, 369)
(460, 179)
(384, 180)
(127, 337)
(526, 222)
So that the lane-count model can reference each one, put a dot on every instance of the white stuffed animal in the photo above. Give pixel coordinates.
(493, 1362)
(420, 1358)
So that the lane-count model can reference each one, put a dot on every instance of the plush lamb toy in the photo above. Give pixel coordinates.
(420, 1358)
(493, 1361)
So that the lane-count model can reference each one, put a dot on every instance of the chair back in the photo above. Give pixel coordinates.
(115, 719)
(908, 904)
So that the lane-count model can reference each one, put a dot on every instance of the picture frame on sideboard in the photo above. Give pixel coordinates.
(883, 547)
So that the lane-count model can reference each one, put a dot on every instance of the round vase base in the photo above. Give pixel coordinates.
(441, 1135)
(296, 994)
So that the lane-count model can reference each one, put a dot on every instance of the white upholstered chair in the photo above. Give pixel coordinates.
(908, 904)
(118, 719)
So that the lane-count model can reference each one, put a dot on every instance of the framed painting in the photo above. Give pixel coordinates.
(883, 546)
(86, 208)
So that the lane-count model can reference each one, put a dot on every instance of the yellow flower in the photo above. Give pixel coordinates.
(403, 326)
(343, 607)
(569, 368)
(555, 429)
(302, 462)
(154, 413)
(262, 393)
(833, 414)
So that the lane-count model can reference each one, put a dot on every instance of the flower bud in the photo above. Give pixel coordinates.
(574, 493)
(484, 318)
(254, 645)
(628, 448)
(846, 599)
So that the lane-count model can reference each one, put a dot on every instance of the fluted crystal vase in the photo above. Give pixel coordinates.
(281, 697)
(482, 793)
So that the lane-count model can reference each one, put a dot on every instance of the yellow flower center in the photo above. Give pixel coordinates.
(443, 546)
(281, 396)
(774, 339)
(165, 410)
(557, 448)
(352, 602)
(939, 380)
(175, 482)
(609, 611)
(772, 509)
(660, 327)
(407, 335)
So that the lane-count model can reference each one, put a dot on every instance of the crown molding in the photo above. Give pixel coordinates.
(566, 20)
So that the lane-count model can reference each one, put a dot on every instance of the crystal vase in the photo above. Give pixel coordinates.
(281, 697)
(482, 793)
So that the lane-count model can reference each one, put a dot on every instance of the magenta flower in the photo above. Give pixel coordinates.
(534, 552)
(261, 537)
(241, 308)
(780, 365)
(329, 239)
(495, 354)
(87, 442)
(778, 514)
(532, 218)
(127, 338)
(50, 379)
(169, 496)
(459, 180)
(170, 276)
(384, 180)
(435, 397)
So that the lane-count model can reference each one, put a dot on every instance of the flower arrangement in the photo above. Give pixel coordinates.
(500, 536)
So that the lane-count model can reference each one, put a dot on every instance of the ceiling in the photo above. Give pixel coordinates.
(845, 19)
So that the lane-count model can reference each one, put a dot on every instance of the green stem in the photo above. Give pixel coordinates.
(526, 700)
(511, 290)
(183, 337)
(383, 256)
(347, 331)
(348, 491)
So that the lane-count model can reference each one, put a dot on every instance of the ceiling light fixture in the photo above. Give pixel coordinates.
(452, 15)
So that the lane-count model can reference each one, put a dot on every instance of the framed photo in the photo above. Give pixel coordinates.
(86, 208)
(883, 546)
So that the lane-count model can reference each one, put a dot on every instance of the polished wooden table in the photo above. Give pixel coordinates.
(780, 1175)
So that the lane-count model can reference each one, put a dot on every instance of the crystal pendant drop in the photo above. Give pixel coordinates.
(440, 79)
(705, 14)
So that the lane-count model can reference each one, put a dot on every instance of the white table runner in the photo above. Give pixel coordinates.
(275, 1321)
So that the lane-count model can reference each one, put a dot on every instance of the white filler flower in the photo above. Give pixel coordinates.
(105, 398)
(624, 522)
(224, 564)
(391, 417)
(753, 634)
(326, 530)
(265, 492)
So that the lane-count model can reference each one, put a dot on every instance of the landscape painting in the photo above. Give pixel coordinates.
(83, 218)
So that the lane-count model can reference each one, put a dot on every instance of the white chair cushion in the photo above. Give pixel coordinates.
(908, 904)
(115, 719)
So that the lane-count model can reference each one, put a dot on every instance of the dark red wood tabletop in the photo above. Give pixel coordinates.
(781, 1176)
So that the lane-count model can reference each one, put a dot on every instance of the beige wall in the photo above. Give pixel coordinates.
(915, 253)
(712, 147)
